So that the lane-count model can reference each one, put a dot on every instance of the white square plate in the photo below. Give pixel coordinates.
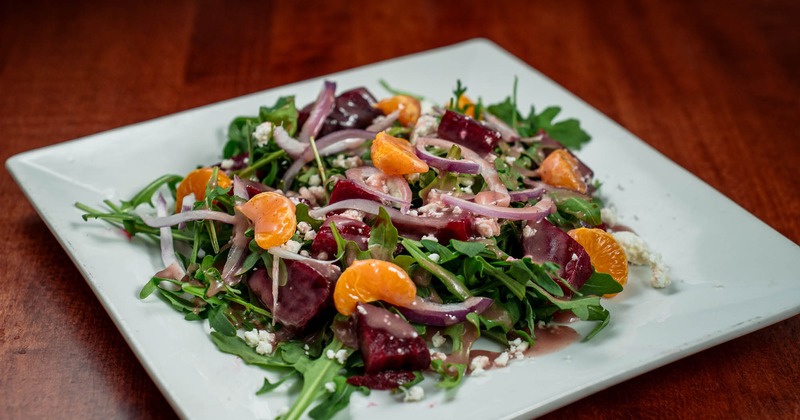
(731, 273)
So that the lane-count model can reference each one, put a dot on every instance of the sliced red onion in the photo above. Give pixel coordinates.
(398, 184)
(527, 194)
(382, 123)
(327, 269)
(167, 248)
(487, 169)
(186, 205)
(333, 143)
(239, 241)
(505, 130)
(536, 212)
(444, 314)
(187, 216)
(321, 109)
(461, 166)
(372, 207)
(293, 148)
(555, 192)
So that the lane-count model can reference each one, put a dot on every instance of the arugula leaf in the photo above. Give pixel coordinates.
(220, 322)
(600, 284)
(283, 113)
(337, 400)
(582, 210)
(451, 374)
(318, 372)
(237, 347)
(450, 280)
(382, 237)
(470, 249)
(268, 386)
(301, 213)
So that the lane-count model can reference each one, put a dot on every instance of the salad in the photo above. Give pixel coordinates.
(357, 244)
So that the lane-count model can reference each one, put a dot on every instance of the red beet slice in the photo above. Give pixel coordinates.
(385, 380)
(547, 243)
(347, 189)
(468, 132)
(350, 229)
(388, 342)
(306, 294)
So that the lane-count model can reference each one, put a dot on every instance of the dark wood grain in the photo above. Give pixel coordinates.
(714, 86)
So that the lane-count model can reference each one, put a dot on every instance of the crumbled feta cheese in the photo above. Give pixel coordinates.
(457, 210)
(430, 237)
(226, 164)
(517, 348)
(437, 355)
(479, 364)
(432, 209)
(437, 340)
(354, 214)
(263, 133)
(341, 356)
(486, 227)
(318, 192)
(609, 216)
(574, 257)
(306, 194)
(292, 246)
(412, 213)
(303, 227)
(305, 253)
(310, 235)
(434, 257)
(415, 393)
(330, 387)
(344, 162)
(528, 231)
(411, 178)
(501, 360)
(330, 354)
(638, 253)
(510, 159)
(426, 125)
(314, 180)
(263, 341)
(467, 190)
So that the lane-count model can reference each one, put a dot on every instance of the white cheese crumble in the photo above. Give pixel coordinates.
(314, 180)
(354, 214)
(345, 162)
(638, 253)
(292, 246)
(437, 355)
(437, 340)
(609, 216)
(486, 227)
(430, 237)
(517, 348)
(263, 133)
(263, 341)
(502, 359)
(415, 393)
(340, 356)
(434, 257)
(330, 387)
(478, 365)
(226, 164)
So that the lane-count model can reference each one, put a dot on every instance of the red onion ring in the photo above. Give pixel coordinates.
(326, 268)
(536, 212)
(443, 314)
(487, 170)
(505, 130)
(396, 183)
(187, 216)
(372, 207)
(527, 194)
(462, 166)
(321, 109)
(239, 242)
(293, 148)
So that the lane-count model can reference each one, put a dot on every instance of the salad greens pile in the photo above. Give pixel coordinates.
(204, 280)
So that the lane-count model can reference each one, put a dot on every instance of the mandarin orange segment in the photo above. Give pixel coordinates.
(605, 253)
(560, 169)
(466, 104)
(395, 156)
(273, 216)
(196, 182)
(370, 280)
(409, 108)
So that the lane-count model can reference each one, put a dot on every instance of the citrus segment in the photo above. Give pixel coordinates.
(395, 156)
(605, 253)
(560, 169)
(273, 216)
(370, 280)
(409, 108)
(196, 182)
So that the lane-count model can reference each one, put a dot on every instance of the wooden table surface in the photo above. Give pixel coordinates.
(714, 86)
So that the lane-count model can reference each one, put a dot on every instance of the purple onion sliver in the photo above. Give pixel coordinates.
(167, 248)
(384, 122)
(537, 212)
(321, 109)
(292, 147)
(442, 315)
(187, 216)
(399, 184)
(445, 164)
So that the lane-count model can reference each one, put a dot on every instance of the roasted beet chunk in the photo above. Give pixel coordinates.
(352, 109)
(307, 293)
(388, 342)
(389, 379)
(468, 132)
(347, 189)
(544, 242)
(351, 230)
